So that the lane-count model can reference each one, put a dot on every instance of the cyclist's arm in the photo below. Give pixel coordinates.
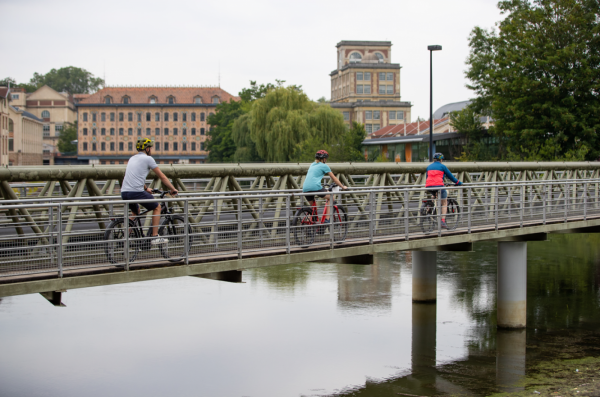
(449, 175)
(165, 180)
(337, 181)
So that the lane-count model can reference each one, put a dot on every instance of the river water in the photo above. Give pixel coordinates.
(305, 330)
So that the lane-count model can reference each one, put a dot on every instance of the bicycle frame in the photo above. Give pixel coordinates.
(164, 211)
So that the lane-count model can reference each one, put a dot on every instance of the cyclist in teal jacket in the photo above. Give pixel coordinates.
(312, 182)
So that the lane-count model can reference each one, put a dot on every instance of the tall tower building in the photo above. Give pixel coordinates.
(365, 87)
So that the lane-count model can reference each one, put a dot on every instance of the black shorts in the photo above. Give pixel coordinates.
(312, 198)
(139, 196)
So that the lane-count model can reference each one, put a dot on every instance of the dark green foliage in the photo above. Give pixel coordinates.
(468, 123)
(13, 83)
(220, 143)
(69, 79)
(67, 135)
(539, 78)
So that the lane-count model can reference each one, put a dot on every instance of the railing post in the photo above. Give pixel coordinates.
(331, 219)
(186, 224)
(406, 213)
(287, 224)
(585, 189)
(371, 205)
(216, 228)
(60, 244)
(469, 209)
(240, 227)
(566, 201)
(496, 191)
(260, 219)
(439, 215)
(126, 221)
(521, 205)
(544, 203)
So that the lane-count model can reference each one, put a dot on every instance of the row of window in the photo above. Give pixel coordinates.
(166, 116)
(184, 146)
(369, 128)
(153, 99)
(175, 131)
(376, 115)
(57, 127)
(366, 89)
(383, 76)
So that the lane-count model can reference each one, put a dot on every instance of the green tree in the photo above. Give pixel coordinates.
(539, 78)
(70, 79)
(13, 83)
(220, 143)
(466, 122)
(68, 135)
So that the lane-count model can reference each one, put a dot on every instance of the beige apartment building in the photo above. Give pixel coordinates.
(4, 119)
(175, 118)
(25, 139)
(365, 87)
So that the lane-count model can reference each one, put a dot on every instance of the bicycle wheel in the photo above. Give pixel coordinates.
(340, 224)
(172, 228)
(115, 241)
(304, 227)
(453, 215)
(427, 217)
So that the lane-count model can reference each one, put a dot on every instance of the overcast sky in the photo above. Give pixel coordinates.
(187, 42)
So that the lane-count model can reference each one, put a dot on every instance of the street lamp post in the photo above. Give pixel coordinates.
(431, 48)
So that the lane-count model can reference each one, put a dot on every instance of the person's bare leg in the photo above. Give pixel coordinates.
(155, 221)
(327, 214)
(444, 209)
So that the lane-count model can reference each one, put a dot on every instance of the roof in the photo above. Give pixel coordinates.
(414, 128)
(366, 65)
(363, 43)
(450, 107)
(408, 139)
(81, 96)
(4, 91)
(372, 104)
(26, 114)
(183, 95)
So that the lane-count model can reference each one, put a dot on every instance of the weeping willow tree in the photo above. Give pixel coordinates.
(280, 122)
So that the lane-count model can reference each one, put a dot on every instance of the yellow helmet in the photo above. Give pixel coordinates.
(142, 144)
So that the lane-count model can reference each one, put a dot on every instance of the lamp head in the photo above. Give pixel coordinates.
(434, 47)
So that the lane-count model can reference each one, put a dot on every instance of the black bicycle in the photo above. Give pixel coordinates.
(428, 213)
(172, 228)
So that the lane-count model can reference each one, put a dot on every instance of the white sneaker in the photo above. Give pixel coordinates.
(158, 240)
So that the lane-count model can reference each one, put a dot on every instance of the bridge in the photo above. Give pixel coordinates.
(229, 218)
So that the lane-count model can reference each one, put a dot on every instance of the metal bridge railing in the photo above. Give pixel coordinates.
(58, 236)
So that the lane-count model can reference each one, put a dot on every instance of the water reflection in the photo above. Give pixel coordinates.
(306, 329)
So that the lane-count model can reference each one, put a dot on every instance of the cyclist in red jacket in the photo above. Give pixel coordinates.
(435, 174)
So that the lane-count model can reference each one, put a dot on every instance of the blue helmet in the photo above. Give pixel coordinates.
(438, 157)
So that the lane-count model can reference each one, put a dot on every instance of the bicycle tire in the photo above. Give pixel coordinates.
(340, 224)
(427, 217)
(173, 229)
(115, 246)
(304, 227)
(453, 215)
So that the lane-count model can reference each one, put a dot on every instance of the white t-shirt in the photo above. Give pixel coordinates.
(137, 170)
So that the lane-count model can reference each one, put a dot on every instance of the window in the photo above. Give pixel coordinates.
(166, 131)
(166, 117)
(171, 100)
(107, 99)
(93, 116)
(112, 146)
(14, 96)
(166, 146)
(215, 100)
(152, 99)
(103, 146)
(148, 131)
(102, 116)
(369, 115)
(121, 146)
(390, 76)
(139, 132)
(400, 115)
(94, 147)
(359, 89)
(381, 89)
(175, 116)
(184, 146)
(46, 114)
(368, 76)
(120, 116)
(174, 131)
(120, 131)
(184, 131)
(58, 127)
(148, 116)
(201, 131)
(197, 100)
(157, 131)
(346, 115)
(359, 76)
(85, 131)
(175, 146)
(125, 100)
(85, 145)
(390, 89)
(379, 56)
(93, 131)
(112, 131)
(392, 115)
(102, 131)
(382, 76)
(375, 127)
(355, 57)
(130, 146)
(201, 145)
(157, 145)
(369, 128)
(130, 131)
(183, 116)
(47, 127)
(156, 116)
(85, 117)
(112, 162)
(363, 89)
(129, 116)
(193, 131)
(201, 116)
(193, 146)
(139, 117)
(376, 115)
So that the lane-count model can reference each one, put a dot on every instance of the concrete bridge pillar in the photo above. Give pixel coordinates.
(512, 284)
(510, 359)
(424, 329)
(424, 276)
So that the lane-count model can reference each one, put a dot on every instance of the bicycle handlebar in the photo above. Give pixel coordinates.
(162, 192)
